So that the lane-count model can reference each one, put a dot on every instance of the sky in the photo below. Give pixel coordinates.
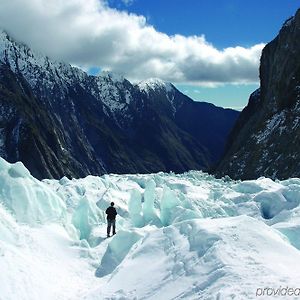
(210, 49)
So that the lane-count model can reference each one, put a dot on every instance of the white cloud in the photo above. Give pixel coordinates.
(89, 33)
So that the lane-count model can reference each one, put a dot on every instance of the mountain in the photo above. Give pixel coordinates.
(265, 140)
(59, 121)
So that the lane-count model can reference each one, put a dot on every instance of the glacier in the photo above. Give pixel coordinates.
(179, 236)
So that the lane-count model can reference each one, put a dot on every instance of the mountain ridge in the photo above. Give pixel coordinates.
(78, 124)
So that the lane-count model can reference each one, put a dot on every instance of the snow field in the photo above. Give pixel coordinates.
(186, 236)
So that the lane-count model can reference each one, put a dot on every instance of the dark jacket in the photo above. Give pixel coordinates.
(111, 213)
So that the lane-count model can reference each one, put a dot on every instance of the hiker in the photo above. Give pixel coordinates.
(111, 218)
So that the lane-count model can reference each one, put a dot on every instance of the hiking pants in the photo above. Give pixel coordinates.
(109, 224)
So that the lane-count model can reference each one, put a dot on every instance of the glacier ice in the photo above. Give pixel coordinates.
(85, 217)
(149, 213)
(135, 208)
(182, 236)
(167, 205)
(29, 200)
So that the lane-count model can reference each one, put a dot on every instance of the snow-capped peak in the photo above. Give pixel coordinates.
(153, 84)
(157, 85)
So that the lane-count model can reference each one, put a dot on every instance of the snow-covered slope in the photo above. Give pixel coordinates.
(185, 236)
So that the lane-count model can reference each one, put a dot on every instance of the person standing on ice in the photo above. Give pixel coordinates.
(111, 218)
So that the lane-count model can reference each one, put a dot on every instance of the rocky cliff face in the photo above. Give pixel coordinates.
(266, 138)
(59, 121)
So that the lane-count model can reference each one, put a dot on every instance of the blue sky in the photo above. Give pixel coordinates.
(225, 23)
(210, 49)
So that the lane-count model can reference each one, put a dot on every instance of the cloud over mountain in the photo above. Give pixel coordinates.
(89, 33)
